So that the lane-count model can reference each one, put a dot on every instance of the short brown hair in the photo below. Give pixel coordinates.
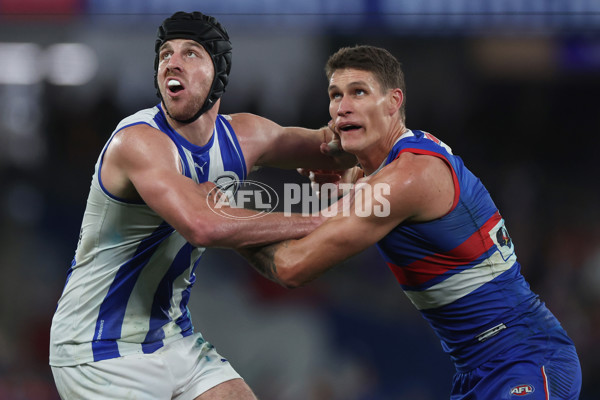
(385, 67)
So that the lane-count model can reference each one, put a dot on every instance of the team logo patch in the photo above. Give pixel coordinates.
(503, 238)
(522, 390)
(228, 182)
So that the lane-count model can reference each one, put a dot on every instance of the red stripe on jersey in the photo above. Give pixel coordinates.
(546, 390)
(427, 268)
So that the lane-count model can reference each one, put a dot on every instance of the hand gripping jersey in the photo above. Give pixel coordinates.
(461, 270)
(128, 286)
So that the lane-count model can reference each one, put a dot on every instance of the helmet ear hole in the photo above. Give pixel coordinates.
(211, 35)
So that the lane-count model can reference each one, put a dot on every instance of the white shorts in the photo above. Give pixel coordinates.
(181, 370)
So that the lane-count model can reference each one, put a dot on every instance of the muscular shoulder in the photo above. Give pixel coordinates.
(419, 169)
(140, 138)
(257, 135)
(246, 124)
(132, 149)
(421, 185)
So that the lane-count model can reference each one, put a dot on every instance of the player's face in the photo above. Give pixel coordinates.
(185, 75)
(358, 107)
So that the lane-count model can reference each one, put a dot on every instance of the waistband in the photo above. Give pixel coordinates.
(503, 335)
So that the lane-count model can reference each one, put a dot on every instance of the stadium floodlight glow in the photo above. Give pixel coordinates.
(64, 64)
(70, 64)
(20, 64)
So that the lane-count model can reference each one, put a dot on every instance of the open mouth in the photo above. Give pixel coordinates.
(174, 86)
(349, 128)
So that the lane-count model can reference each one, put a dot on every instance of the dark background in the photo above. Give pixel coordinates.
(512, 87)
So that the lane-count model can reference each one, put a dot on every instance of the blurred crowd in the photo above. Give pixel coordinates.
(520, 112)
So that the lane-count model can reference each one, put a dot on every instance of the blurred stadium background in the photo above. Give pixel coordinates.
(512, 86)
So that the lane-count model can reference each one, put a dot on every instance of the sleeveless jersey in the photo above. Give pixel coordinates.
(461, 270)
(129, 283)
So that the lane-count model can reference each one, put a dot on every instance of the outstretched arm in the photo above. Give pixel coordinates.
(413, 188)
(265, 143)
(294, 263)
(142, 163)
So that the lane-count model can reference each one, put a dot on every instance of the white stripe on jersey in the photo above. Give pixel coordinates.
(145, 287)
(465, 282)
(127, 250)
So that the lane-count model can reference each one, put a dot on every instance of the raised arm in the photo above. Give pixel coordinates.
(142, 163)
(413, 188)
(266, 143)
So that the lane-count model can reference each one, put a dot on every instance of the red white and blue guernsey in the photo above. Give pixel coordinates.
(129, 283)
(461, 272)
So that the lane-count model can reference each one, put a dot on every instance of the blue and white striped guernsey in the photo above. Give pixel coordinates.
(128, 286)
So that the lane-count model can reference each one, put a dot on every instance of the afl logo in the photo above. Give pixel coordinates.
(228, 194)
(522, 390)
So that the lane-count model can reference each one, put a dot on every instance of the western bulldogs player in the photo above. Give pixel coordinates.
(443, 238)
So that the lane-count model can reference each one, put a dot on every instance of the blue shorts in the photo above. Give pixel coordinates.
(542, 367)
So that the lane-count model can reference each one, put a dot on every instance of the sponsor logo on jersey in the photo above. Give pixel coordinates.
(522, 390)
(200, 167)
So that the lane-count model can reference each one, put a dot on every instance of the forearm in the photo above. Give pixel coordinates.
(285, 263)
(305, 148)
(263, 260)
(199, 213)
(294, 263)
(251, 230)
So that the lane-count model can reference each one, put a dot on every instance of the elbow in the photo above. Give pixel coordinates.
(200, 239)
(292, 276)
(204, 234)
(291, 283)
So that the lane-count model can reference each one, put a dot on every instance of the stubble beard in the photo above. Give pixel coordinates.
(182, 110)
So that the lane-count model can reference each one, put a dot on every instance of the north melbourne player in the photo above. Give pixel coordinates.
(122, 329)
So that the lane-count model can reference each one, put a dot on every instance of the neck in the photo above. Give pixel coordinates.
(200, 130)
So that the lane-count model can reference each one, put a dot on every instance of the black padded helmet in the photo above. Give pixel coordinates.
(209, 33)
